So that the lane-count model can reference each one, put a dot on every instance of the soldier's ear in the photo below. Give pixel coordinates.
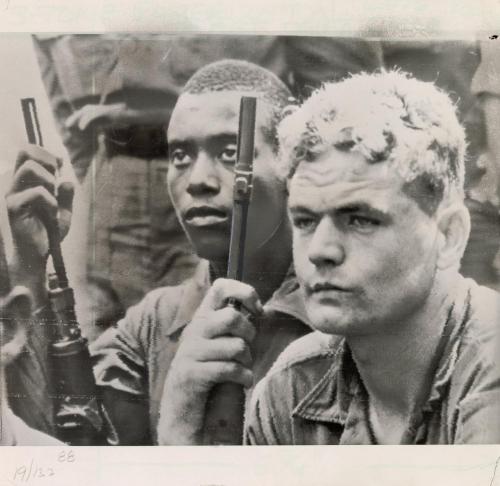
(454, 227)
(15, 314)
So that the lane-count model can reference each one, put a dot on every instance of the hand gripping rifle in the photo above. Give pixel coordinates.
(78, 416)
(226, 404)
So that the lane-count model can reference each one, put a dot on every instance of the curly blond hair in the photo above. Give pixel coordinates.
(388, 117)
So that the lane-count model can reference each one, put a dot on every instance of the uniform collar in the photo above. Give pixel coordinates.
(332, 396)
(287, 299)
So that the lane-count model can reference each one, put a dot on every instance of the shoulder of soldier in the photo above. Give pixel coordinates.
(480, 342)
(474, 391)
(172, 307)
(309, 348)
(161, 311)
(301, 365)
(164, 299)
(484, 312)
(477, 365)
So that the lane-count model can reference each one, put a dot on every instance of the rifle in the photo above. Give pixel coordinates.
(78, 415)
(226, 403)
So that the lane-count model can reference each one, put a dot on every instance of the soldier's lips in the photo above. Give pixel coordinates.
(326, 287)
(200, 216)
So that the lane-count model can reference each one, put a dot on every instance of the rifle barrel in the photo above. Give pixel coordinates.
(242, 187)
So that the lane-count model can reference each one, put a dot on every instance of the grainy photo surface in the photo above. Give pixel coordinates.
(249, 239)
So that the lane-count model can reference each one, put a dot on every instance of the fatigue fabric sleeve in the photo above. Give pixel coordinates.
(120, 353)
(475, 391)
(28, 376)
(259, 421)
(478, 420)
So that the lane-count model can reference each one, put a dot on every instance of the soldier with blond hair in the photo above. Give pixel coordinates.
(403, 348)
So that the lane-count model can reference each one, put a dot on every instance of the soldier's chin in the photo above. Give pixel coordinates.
(328, 320)
(211, 245)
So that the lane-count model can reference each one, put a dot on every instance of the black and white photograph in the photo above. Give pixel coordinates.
(249, 239)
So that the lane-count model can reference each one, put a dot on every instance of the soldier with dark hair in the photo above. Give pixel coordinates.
(188, 332)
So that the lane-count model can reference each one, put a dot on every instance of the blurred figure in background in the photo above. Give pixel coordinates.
(485, 196)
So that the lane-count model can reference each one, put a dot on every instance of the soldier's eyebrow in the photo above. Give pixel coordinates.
(300, 209)
(210, 138)
(363, 207)
(222, 138)
(356, 207)
(177, 143)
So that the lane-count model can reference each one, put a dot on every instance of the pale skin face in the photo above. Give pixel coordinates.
(202, 138)
(365, 253)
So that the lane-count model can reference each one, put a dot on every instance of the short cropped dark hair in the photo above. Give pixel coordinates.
(236, 75)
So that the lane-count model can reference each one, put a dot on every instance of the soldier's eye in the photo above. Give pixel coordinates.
(228, 155)
(362, 222)
(304, 223)
(179, 157)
